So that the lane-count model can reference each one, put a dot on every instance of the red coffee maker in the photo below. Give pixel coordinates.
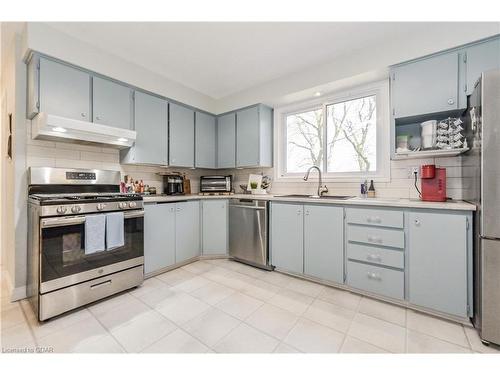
(433, 183)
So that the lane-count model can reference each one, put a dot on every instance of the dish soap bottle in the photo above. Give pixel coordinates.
(371, 190)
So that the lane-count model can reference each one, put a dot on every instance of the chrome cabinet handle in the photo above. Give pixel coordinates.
(299, 212)
(374, 239)
(417, 222)
(451, 101)
(373, 276)
(307, 212)
(375, 220)
(98, 117)
(374, 257)
(83, 114)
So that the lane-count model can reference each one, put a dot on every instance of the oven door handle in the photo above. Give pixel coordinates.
(75, 220)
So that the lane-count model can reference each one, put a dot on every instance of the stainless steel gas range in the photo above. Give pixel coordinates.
(85, 238)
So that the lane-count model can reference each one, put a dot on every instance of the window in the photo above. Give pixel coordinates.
(346, 136)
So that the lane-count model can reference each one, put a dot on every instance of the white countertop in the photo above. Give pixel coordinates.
(356, 201)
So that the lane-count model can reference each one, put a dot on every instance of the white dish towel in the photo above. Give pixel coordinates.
(115, 236)
(95, 231)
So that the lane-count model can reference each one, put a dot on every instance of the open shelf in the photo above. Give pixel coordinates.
(428, 154)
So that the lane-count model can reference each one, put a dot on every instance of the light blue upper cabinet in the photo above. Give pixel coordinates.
(287, 231)
(214, 227)
(226, 141)
(181, 139)
(63, 90)
(159, 236)
(324, 242)
(439, 275)
(480, 58)
(254, 137)
(151, 126)
(187, 239)
(205, 141)
(426, 86)
(112, 103)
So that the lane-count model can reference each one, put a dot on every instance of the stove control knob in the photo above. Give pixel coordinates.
(61, 210)
(132, 204)
(76, 209)
(122, 205)
(100, 206)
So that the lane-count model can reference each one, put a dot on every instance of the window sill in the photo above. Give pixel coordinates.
(338, 179)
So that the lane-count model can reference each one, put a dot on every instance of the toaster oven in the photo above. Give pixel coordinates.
(216, 184)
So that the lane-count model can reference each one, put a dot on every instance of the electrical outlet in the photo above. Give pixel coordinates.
(412, 171)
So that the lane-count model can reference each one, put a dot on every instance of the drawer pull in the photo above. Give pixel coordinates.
(373, 276)
(375, 220)
(374, 257)
(373, 239)
(104, 283)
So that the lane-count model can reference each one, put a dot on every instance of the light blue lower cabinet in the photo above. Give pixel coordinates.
(287, 231)
(379, 280)
(324, 242)
(159, 236)
(187, 230)
(439, 256)
(214, 230)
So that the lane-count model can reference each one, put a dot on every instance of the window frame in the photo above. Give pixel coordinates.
(382, 174)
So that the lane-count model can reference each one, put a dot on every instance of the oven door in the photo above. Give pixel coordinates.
(63, 261)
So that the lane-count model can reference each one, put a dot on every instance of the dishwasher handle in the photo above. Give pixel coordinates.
(249, 207)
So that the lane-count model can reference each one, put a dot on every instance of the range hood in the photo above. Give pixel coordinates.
(56, 128)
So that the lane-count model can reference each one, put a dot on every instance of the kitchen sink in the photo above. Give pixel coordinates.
(314, 197)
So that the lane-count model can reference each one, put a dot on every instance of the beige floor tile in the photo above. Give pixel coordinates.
(436, 327)
(330, 315)
(57, 323)
(199, 267)
(12, 316)
(142, 331)
(380, 333)
(70, 338)
(252, 271)
(182, 307)
(260, 289)
(212, 293)
(353, 345)
(191, 285)
(272, 320)
(147, 286)
(283, 348)
(305, 287)
(177, 342)
(103, 344)
(222, 262)
(158, 296)
(421, 343)
(239, 305)
(340, 297)
(291, 301)
(122, 315)
(212, 326)
(382, 310)
(277, 279)
(310, 337)
(245, 339)
(17, 337)
(227, 278)
(477, 345)
(175, 276)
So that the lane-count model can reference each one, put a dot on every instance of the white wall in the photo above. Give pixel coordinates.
(45, 39)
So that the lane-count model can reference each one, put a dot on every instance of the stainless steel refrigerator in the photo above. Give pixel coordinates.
(481, 173)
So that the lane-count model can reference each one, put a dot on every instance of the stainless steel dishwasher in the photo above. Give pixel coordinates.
(248, 232)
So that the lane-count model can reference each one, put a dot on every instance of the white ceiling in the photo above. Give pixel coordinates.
(220, 59)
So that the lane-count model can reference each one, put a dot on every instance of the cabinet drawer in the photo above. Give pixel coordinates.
(375, 279)
(376, 255)
(382, 218)
(376, 236)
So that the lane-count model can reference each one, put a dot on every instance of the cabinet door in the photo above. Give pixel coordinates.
(287, 232)
(159, 236)
(324, 242)
(226, 141)
(438, 261)
(151, 125)
(426, 86)
(112, 103)
(187, 231)
(205, 141)
(247, 137)
(480, 58)
(181, 126)
(64, 91)
(214, 227)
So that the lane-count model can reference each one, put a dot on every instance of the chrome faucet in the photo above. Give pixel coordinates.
(321, 189)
